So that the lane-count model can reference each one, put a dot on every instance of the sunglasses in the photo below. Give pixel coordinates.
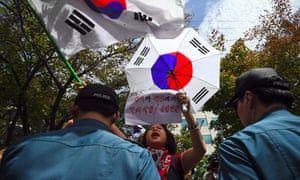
(235, 101)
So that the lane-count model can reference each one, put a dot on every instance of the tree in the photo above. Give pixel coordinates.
(278, 47)
(37, 88)
(278, 36)
(183, 144)
(232, 65)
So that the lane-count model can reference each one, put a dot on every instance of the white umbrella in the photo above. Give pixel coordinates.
(185, 63)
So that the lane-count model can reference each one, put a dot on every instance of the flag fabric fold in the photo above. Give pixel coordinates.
(89, 24)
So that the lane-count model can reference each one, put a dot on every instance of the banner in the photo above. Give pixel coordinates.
(150, 107)
(91, 24)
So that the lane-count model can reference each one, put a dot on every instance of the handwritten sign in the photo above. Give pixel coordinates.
(152, 107)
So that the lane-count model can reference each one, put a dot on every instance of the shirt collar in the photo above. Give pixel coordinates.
(90, 123)
(270, 112)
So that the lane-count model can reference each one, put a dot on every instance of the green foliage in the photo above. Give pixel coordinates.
(37, 88)
(217, 40)
(183, 144)
(278, 47)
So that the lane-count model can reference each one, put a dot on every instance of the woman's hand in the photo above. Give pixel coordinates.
(184, 101)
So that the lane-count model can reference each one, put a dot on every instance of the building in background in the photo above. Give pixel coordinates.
(203, 119)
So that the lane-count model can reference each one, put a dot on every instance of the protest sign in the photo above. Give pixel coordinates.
(152, 107)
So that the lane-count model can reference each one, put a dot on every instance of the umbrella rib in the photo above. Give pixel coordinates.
(175, 79)
(171, 72)
(195, 77)
(183, 66)
(200, 79)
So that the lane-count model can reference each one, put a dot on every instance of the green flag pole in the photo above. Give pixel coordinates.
(57, 49)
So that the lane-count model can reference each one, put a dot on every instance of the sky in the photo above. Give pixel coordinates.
(230, 17)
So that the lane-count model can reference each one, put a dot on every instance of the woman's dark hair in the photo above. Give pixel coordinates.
(170, 144)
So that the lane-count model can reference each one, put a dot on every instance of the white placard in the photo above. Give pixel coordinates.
(152, 107)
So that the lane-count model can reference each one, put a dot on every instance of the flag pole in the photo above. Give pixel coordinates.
(57, 49)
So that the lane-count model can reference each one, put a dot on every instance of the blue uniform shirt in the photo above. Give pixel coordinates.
(85, 150)
(268, 149)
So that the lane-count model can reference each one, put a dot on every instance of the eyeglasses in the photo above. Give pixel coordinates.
(235, 101)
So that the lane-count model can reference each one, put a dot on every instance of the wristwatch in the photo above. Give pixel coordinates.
(194, 126)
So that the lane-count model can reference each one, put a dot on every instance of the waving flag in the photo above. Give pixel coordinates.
(88, 24)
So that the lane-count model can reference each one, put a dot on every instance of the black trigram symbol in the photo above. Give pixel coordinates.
(199, 46)
(141, 17)
(142, 56)
(197, 98)
(80, 23)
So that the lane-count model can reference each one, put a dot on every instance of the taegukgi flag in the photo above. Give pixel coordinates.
(90, 24)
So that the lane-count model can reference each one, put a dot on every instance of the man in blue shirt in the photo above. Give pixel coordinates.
(268, 147)
(85, 150)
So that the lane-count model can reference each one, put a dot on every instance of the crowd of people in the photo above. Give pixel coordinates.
(91, 146)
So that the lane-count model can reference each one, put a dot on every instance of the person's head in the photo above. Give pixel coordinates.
(157, 136)
(213, 162)
(97, 98)
(260, 86)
